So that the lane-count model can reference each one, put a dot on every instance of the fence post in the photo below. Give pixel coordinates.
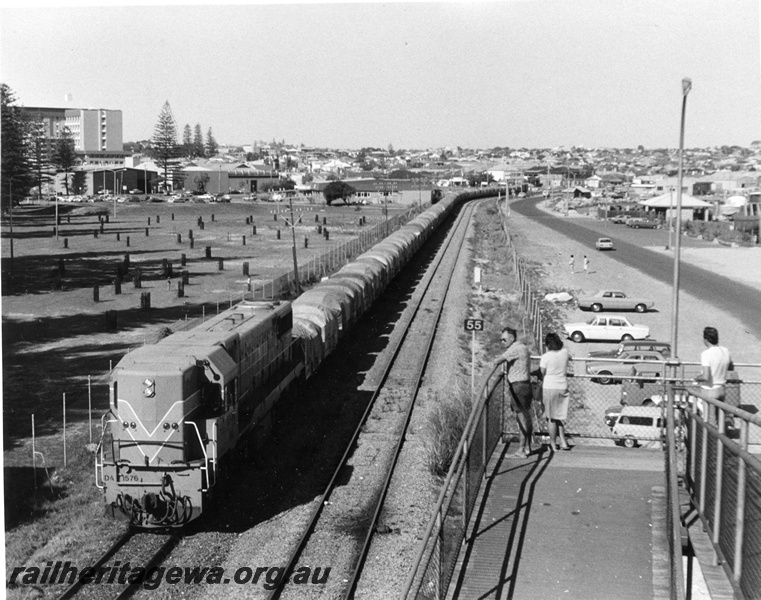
(740, 507)
(89, 405)
(64, 430)
(716, 525)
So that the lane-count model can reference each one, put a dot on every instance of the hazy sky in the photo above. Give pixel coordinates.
(532, 73)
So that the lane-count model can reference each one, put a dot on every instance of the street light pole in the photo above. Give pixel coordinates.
(686, 87)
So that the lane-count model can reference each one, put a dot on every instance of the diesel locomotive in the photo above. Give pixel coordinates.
(179, 408)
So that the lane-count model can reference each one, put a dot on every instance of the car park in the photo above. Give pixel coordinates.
(614, 300)
(604, 244)
(629, 364)
(606, 328)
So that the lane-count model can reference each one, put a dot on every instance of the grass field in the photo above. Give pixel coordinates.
(55, 339)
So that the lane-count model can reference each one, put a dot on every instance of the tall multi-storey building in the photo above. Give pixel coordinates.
(97, 132)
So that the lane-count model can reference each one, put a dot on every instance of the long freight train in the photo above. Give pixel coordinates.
(179, 407)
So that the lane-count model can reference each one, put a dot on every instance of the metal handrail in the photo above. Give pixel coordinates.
(454, 470)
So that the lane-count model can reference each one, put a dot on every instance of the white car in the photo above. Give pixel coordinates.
(604, 244)
(607, 328)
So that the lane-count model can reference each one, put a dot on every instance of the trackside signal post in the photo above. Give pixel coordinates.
(473, 325)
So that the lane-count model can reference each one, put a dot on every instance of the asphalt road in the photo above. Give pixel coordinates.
(740, 300)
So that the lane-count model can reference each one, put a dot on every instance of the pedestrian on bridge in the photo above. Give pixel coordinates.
(554, 367)
(517, 359)
(715, 362)
(586, 265)
(572, 264)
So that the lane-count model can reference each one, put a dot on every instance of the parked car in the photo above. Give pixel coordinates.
(664, 348)
(637, 423)
(638, 223)
(619, 219)
(629, 365)
(614, 300)
(606, 328)
(604, 244)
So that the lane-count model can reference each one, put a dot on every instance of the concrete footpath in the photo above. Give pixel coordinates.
(576, 525)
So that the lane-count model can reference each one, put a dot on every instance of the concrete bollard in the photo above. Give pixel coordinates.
(65, 242)
(95, 233)
(253, 230)
(319, 229)
(95, 293)
(212, 217)
(185, 276)
(127, 241)
(244, 240)
(221, 264)
(118, 237)
(117, 286)
(245, 268)
(137, 280)
(306, 242)
(190, 234)
(192, 243)
(147, 232)
(183, 260)
(278, 234)
(126, 261)
(149, 221)
(325, 220)
(317, 218)
(208, 251)
(172, 216)
(327, 235)
(158, 219)
(180, 289)
(179, 238)
(202, 225)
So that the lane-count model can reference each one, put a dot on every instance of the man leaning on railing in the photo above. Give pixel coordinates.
(716, 362)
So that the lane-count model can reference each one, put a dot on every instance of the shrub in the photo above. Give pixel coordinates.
(444, 428)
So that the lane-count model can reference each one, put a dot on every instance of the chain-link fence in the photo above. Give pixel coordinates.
(438, 552)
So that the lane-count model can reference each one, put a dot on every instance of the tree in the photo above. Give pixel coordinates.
(197, 141)
(187, 141)
(79, 182)
(64, 156)
(201, 181)
(338, 190)
(211, 144)
(14, 171)
(165, 142)
(37, 146)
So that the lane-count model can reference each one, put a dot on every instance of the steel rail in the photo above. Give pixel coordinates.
(301, 545)
(422, 366)
(125, 537)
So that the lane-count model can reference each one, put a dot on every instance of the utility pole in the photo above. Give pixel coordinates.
(292, 225)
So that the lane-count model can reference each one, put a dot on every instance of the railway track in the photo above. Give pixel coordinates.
(342, 526)
(134, 548)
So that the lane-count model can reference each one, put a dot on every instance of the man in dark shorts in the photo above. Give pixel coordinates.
(517, 359)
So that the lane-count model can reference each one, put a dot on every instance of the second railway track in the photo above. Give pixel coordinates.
(341, 528)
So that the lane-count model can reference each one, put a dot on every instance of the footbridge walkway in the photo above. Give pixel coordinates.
(618, 516)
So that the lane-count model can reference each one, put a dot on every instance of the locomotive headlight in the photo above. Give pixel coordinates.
(133, 425)
(125, 425)
(175, 426)
(166, 426)
(149, 388)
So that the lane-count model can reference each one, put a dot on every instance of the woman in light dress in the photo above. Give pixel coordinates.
(554, 368)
